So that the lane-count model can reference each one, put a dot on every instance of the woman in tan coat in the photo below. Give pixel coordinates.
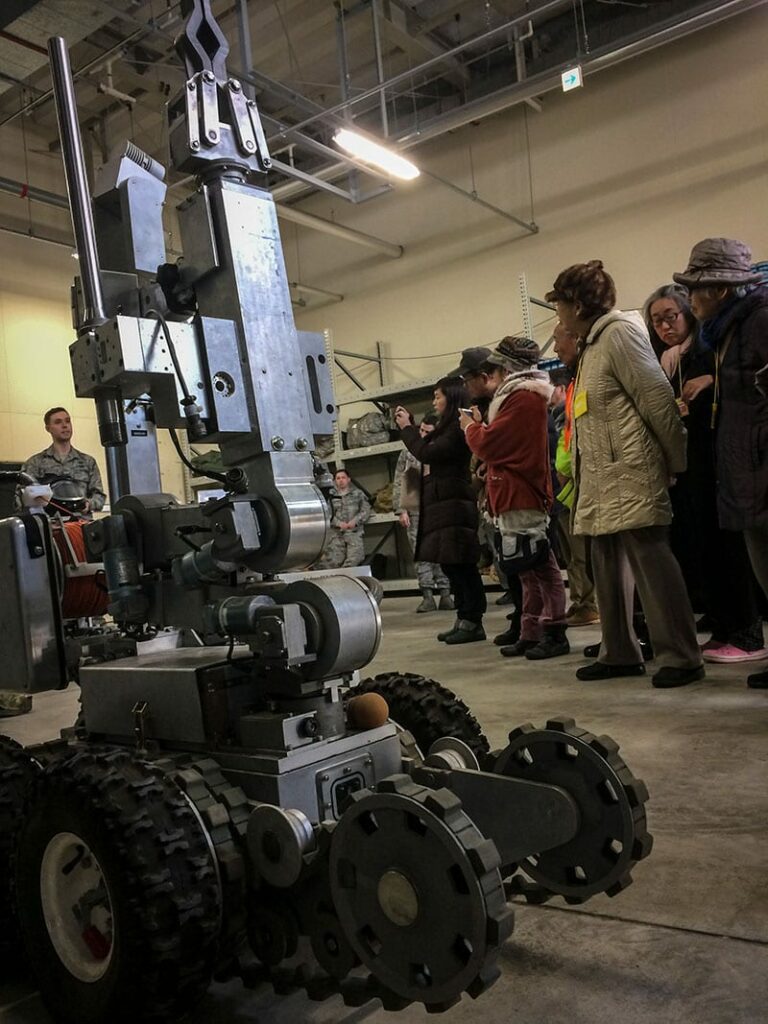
(629, 442)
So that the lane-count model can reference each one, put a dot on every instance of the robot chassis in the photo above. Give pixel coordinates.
(248, 809)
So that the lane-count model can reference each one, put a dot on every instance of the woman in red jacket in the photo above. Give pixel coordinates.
(515, 447)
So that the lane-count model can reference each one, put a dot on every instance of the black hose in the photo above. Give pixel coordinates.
(174, 356)
(190, 465)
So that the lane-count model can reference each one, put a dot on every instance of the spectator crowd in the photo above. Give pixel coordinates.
(638, 466)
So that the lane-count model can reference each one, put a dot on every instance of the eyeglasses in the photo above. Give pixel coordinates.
(669, 319)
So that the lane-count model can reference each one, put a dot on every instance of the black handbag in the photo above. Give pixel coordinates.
(529, 553)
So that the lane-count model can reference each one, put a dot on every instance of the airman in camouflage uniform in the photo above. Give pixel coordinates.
(349, 511)
(63, 461)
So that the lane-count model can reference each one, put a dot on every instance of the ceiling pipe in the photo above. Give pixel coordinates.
(22, 191)
(328, 227)
(534, 86)
(11, 38)
(337, 112)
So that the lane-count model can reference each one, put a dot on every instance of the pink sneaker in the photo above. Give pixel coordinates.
(712, 645)
(727, 653)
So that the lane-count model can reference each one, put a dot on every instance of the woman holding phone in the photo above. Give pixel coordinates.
(448, 507)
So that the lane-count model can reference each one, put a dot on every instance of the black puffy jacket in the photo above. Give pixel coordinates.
(741, 437)
(448, 522)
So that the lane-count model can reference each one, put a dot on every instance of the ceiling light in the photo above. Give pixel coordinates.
(373, 153)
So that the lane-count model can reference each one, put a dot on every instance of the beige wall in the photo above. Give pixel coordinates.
(35, 334)
(634, 168)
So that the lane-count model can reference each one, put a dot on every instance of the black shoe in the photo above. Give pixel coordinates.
(509, 636)
(553, 644)
(549, 647)
(668, 676)
(758, 681)
(448, 632)
(593, 650)
(599, 670)
(506, 598)
(466, 632)
(518, 650)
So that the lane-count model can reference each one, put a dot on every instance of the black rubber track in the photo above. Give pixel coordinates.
(426, 709)
(162, 881)
(17, 772)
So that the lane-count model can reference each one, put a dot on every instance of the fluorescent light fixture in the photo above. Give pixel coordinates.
(373, 153)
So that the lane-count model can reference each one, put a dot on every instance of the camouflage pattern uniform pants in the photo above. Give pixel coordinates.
(345, 548)
(430, 575)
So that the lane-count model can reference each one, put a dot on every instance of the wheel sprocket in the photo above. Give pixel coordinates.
(418, 892)
(613, 835)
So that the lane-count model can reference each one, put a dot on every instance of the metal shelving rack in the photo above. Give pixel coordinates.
(391, 393)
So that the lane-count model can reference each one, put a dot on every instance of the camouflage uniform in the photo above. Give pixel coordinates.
(345, 547)
(75, 466)
(12, 703)
(405, 498)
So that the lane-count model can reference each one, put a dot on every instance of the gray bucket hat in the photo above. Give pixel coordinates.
(718, 261)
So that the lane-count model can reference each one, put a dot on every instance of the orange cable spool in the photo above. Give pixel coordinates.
(82, 596)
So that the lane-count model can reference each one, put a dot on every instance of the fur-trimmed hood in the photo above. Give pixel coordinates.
(526, 380)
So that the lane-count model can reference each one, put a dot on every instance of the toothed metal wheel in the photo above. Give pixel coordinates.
(418, 892)
(613, 835)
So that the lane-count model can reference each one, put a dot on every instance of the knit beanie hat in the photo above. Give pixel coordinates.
(515, 353)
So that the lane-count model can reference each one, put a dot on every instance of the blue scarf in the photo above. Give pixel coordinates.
(711, 330)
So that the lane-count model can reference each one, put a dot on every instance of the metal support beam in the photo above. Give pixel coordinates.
(531, 227)
(290, 213)
(375, 16)
(317, 293)
(328, 227)
(244, 38)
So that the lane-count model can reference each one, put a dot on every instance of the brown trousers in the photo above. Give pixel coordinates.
(643, 558)
(573, 546)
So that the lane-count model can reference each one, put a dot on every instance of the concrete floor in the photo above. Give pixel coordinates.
(687, 943)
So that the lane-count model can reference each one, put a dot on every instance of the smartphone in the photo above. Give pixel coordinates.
(468, 412)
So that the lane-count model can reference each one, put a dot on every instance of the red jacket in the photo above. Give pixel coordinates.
(516, 450)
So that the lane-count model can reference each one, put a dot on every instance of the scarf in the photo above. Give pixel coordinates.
(712, 330)
(672, 357)
(530, 380)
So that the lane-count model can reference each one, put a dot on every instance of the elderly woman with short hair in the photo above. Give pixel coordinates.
(730, 303)
(715, 562)
(629, 442)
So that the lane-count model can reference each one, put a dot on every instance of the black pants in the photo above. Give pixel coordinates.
(468, 591)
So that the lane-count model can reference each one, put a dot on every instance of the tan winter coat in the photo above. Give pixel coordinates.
(629, 439)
